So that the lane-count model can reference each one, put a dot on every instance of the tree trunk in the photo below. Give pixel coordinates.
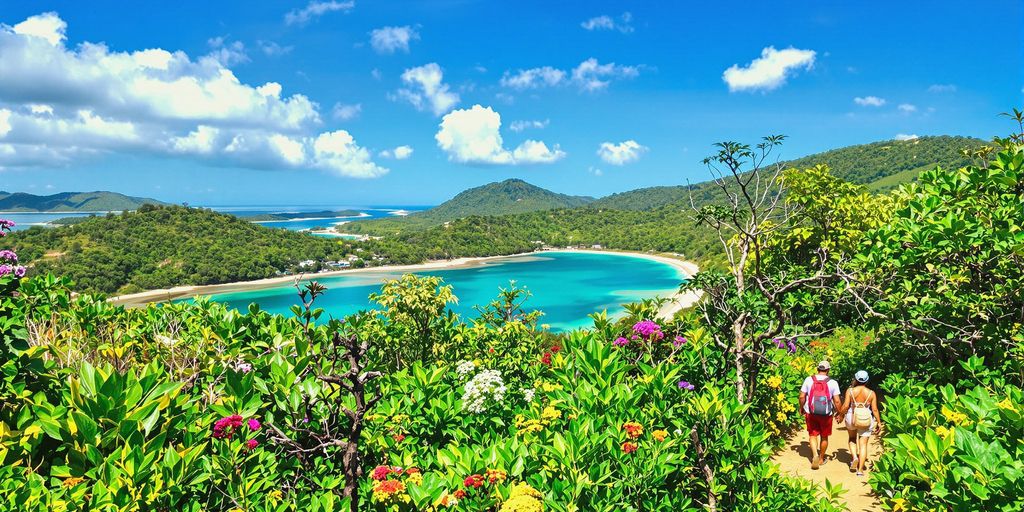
(739, 344)
(709, 474)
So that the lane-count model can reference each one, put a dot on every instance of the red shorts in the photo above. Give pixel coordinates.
(819, 425)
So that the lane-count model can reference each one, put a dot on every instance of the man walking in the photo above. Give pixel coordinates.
(819, 397)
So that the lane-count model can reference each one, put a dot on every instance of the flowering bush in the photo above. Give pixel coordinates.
(484, 390)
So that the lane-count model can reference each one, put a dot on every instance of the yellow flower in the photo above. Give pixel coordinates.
(1006, 404)
(633, 429)
(548, 387)
(659, 435)
(550, 413)
(415, 479)
(955, 417)
(781, 397)
(276, 494)
(774, 381)
(780, 417)
(522, 504)
(899, 505)
(942, 431)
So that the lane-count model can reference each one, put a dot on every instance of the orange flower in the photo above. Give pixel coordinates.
(659, 435)
(633, 429)
(628, 447)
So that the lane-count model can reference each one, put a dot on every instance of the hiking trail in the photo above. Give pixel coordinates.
(795, 459)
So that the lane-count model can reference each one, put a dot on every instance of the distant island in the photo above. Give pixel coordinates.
(98, 201)
(322, 214)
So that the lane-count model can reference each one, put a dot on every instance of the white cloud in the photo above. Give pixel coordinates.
(426, 90)
(904, 136)
(473, 136)
(60, 105)
(227, 53)
(314, 10)
(589, 75)
(907, 108)
(47, 26)
(343, 112)
(621, 153)
(393, 39)
(769, 71)
(940, 88)
(534, 78)
(595, 171)
(519, 126)
(272, 49)
(399, 153)
(606, 22)
(338, 152)
(869, 101)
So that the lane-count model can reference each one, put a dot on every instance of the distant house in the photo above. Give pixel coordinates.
(306, 263)
(339, 264)
(352, 257)
(596, 246)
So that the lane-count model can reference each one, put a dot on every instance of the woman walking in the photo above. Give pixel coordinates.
(862, 419)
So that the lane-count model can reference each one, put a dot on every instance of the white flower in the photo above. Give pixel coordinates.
(528, 395)
(465, 368)
(484, 388)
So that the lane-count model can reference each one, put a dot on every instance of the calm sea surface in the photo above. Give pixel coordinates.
(566, 286)
(27, 220)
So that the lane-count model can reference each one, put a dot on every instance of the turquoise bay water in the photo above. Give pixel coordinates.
(566, 286)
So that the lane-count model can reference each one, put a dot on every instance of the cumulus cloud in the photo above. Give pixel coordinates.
(869, 101)
(227, 53)
(769, 71)
(621, 153)
(940, 88)
(61, 104)
(589, 75)
(314, 10)
(473, 136)
(907, 108)
(399, 153)
(343, 112)
(519, 126)
(905, 136)
(606, 22)
(426, 90)
(392, 39)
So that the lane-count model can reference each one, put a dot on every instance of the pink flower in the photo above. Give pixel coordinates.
(225, 427)
(19, 271)
(254, 424)
(251, 444)
(620, 342)
(679, 341)
(8, 255)
(686, 385)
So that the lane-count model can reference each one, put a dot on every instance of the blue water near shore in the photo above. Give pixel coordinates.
(566, 286)
(27, 220)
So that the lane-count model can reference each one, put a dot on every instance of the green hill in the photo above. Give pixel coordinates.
(164, 246)
(98, 201)
(500, 198)
(880, 166)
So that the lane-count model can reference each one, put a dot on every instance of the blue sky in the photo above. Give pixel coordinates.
(399, 102)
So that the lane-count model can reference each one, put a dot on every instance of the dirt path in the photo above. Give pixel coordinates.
(795, 459)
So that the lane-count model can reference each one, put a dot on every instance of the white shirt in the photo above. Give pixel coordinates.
(833, 388)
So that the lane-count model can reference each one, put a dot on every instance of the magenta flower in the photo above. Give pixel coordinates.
(6, 224)
(251, 444)
(6, 269)
(19, 271)
(243, 367)
(686, 385)
(254, 424)
(620, 342)
(8, 255)
(679, 341)
(225, 427)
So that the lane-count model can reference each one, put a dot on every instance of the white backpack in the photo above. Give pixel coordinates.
(861, 414)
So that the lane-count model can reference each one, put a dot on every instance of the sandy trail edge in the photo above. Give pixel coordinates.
(676, 302)
(795, 459)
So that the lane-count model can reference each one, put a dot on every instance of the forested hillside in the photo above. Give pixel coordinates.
(160, 247)
(71, 202)
(880, 165)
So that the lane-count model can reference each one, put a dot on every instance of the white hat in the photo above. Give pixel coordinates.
(824, 365)
(861, 376)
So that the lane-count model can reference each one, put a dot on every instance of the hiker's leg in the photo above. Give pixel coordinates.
(854, 454)
(814, 440)
(823, 449)
(862, 443)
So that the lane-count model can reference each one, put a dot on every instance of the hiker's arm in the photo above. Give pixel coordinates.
(846, 402)
(803, 400)
(838, 406)
(874, 409)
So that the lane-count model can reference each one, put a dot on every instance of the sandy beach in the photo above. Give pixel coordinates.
(678, 301)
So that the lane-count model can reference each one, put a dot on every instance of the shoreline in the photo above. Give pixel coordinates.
(677, 301)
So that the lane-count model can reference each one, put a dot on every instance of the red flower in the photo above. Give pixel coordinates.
(251, 444)
(628, 447)
(474, 481)
(459, 494)
(546, 358)
(225, 427)
(556, 349)
(380, 473)
(398, 438)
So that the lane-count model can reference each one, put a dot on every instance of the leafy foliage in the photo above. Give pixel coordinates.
(72, 202)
